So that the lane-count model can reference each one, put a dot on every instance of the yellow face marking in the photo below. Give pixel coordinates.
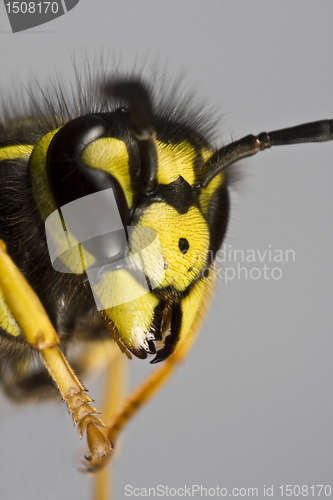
(214, 184)
(175, 160)
(189, 306)
(180, 268)
(111, 155)
(16, 151)
(206, 154)
(39, 181)
(133, 318)
(207, 193)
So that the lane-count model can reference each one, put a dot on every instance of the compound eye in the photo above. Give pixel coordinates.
(183, 245)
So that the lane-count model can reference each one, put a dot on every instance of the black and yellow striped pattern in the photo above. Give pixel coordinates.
(190, 223)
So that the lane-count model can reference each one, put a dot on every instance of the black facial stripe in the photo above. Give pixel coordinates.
(178, 194)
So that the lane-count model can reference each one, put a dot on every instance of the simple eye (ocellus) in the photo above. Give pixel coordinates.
(183, 245)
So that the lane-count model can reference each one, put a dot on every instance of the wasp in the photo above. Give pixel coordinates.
(112, 211)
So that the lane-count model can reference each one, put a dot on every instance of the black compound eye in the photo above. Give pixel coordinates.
(183, 245)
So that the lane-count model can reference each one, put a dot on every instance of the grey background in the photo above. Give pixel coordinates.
(252, 405)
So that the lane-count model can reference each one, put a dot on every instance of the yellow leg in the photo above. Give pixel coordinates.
(29, 312)
(115, 383)
(133, 403)
(157, 379)
(148, 389)
(39, 332)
